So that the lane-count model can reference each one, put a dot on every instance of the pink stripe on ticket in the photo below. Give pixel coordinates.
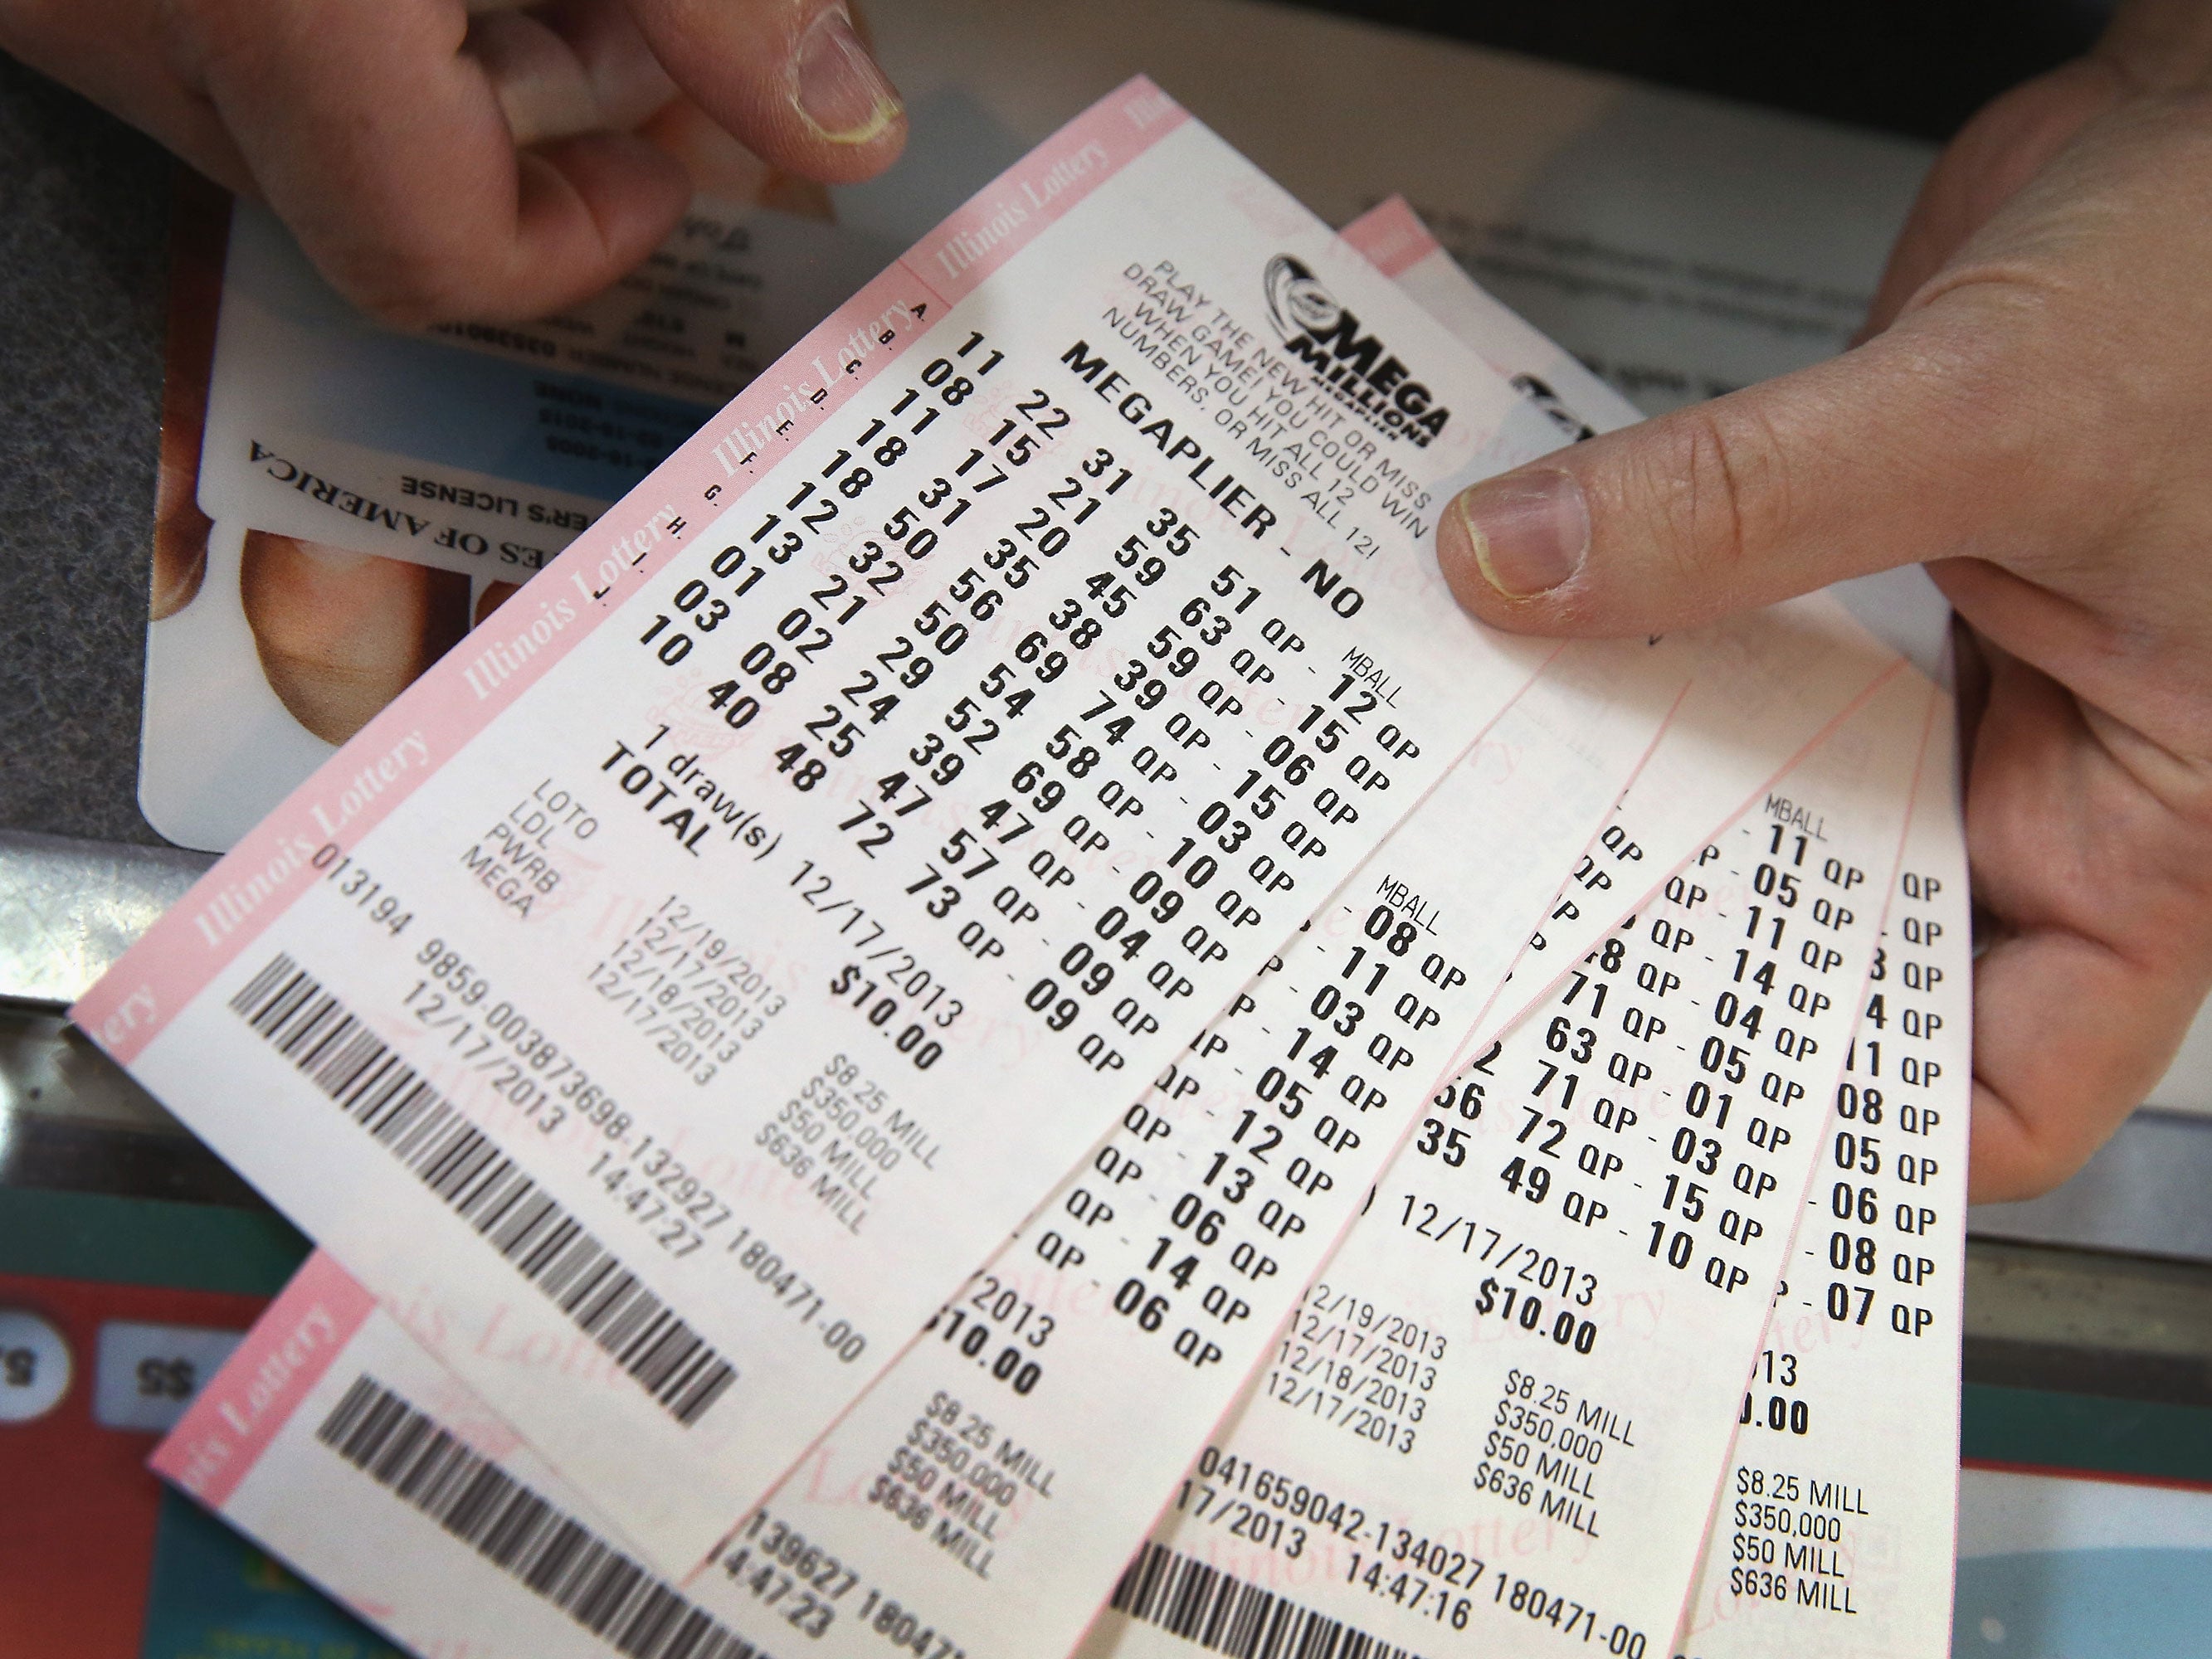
(238, 1412)
(1391, 236)
(434, 720)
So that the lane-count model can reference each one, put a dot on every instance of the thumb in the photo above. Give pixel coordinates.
(1908, 448)
(794, 80)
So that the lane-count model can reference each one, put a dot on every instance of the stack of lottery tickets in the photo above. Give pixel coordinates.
(983, 1024)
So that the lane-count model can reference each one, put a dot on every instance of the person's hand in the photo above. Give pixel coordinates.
(2032, 417)
(449, 159)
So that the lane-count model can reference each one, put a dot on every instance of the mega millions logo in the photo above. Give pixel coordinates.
(1356, 366)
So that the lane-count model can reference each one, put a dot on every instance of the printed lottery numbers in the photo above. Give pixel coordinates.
(702, 607)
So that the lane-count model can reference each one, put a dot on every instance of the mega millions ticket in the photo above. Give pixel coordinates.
(912, 765)
(991, 1525)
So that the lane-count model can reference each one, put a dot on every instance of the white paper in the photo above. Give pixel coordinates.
(1810, 1363)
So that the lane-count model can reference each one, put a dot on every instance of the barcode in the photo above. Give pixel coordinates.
(553, 1555)
(465, 1168)
(1200, 1603)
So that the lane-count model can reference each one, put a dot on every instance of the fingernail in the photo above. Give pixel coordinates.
(839, 90)
(1526, 533)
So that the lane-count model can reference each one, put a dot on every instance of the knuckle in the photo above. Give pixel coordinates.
(1721, 488)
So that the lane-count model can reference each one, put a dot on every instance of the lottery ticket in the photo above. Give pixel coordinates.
(1018, 1542)
(985, 1555)
(1499, 1416)
(1014, 1552)
(394, 1488)
(1838, 1518)
(601, 982)
(1019, 1547)
(397, 1492)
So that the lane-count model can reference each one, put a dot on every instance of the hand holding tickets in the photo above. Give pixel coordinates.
(543, 152)
(1837, 1513)
(1982, 430)
(1006, 824)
